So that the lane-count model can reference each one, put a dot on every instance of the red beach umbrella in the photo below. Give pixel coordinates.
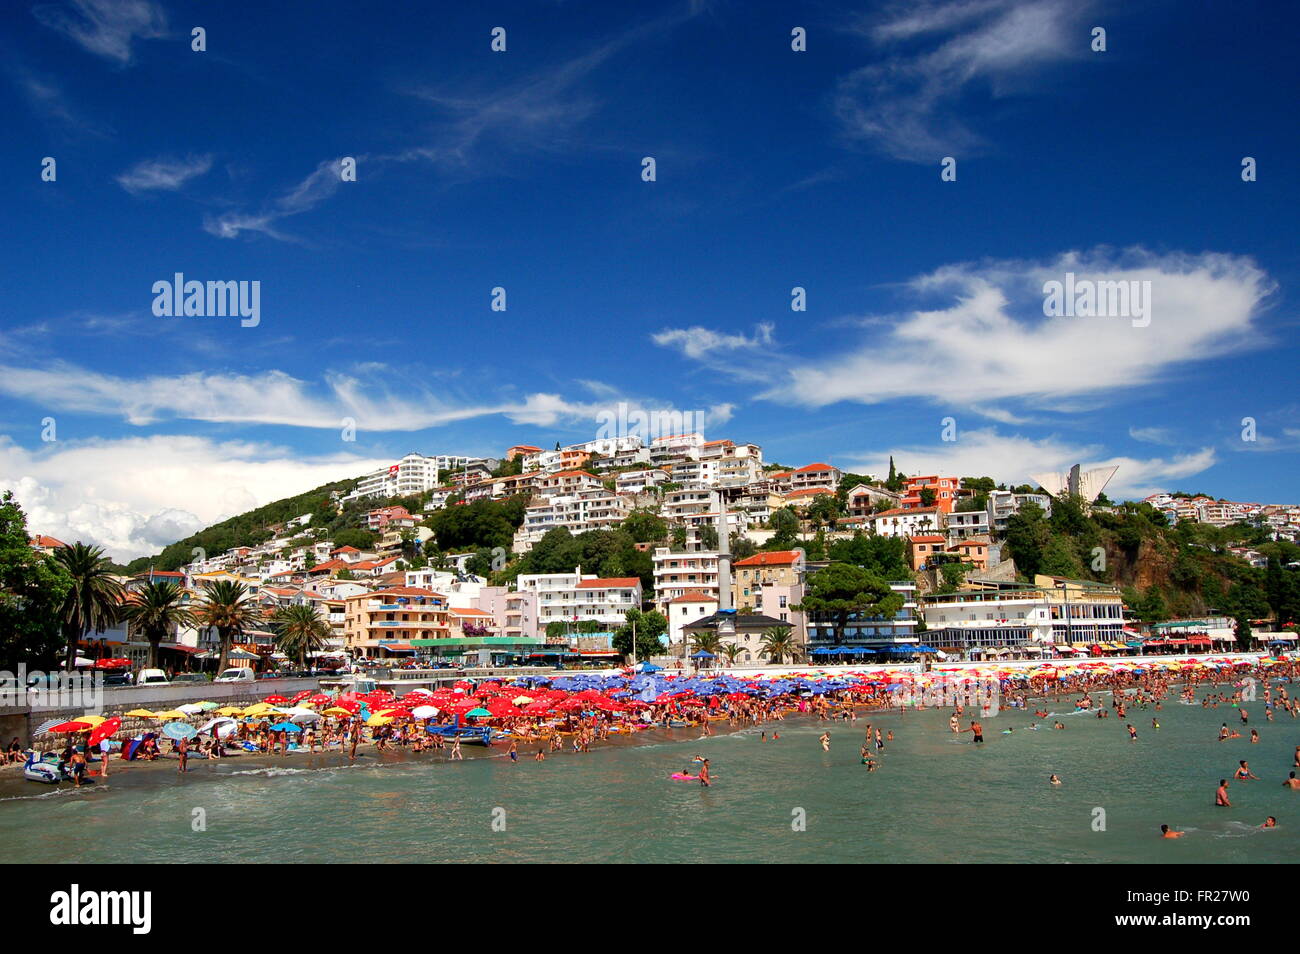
(104, 730)
(72, 726)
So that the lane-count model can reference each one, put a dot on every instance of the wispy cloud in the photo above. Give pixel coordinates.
(908, 104)
(163, 174)
(275, 398)
(698, 342)
(106, 28)
(476, 129)
(318, 186)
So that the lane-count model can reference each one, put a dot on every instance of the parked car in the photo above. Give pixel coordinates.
(236, 675)
(119, 677)
(189, 677)
(152, 677)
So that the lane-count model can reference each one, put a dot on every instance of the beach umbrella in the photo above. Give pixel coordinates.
(275, 700)
(286, 727)
(142, 714)
(179, 730)
(424, 712)
(72, 726)
(522, 700)
(191, 708)
(478, 713)
(105, 730)
(173, 714)
(378, 720)
(230, 711)
(46, 726)
(206, 706)
(337, 711)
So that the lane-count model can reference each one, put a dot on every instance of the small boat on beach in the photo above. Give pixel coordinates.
(470, 734)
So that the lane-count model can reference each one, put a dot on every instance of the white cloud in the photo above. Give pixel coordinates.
(989, 341)
(163, 174)
(136, 495)
(909, 104)
(1011, 459)
(698, 342)
(107, 28)
(318, 186)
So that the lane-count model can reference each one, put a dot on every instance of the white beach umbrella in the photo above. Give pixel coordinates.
(424, 712)
(191, 708)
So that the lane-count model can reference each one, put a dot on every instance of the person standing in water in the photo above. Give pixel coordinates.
(978, 731)
(1221, 796)
(825, 740)
(704, 774)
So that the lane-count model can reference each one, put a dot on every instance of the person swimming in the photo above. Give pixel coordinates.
(1054, 779)
(1167, 832)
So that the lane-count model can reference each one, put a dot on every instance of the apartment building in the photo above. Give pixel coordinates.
(1003, 505)
(683, 610)
(566, 483)
(385, 517)
(688, 500)
(413, 474)
(750, 575)
(907, 523)
(1052, 612)
(680, 572)
(944, 489)
(575, 598)
(640, 481)
(577, 513)
(384, 622)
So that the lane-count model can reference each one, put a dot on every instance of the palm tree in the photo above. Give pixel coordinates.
(227, 609)
(95, 598)
(705, 640)
(777, 643)
(156, 610)
(731, 651)
(302, 630)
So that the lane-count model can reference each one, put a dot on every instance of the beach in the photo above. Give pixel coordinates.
(934, 797)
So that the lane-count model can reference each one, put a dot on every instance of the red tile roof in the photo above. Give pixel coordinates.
(929, 538)
(819, 466)
(620, 582)
(770, 558)
(808, 492)
(694, 596)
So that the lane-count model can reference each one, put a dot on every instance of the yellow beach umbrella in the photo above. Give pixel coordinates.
(142, 714)
(173, 714)
(378, 720)
(229, 710)
(336, 711)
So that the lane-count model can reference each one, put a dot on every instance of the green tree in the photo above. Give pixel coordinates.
(645, 527)
(355, 537)
(777, 642)
(1027, 536)
(842, 591)
(94, 600)
(227, 608)
(300, 630)
(32, 592)
(639, 635)
(730, 652)
(155, 610)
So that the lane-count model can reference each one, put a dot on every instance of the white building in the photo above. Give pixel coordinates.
(679, 572)
(577, 513)
(573, 598)
(413, 474)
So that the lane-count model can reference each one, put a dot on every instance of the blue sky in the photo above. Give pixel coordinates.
(522, 169)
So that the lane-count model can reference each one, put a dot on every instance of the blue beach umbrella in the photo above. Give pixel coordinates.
(286, 727)
(179, 730)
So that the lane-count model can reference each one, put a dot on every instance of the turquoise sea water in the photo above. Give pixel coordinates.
(933, 799)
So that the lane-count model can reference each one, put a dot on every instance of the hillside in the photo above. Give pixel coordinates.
(246, 529)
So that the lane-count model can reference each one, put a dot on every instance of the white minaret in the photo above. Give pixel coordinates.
(724, 555)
